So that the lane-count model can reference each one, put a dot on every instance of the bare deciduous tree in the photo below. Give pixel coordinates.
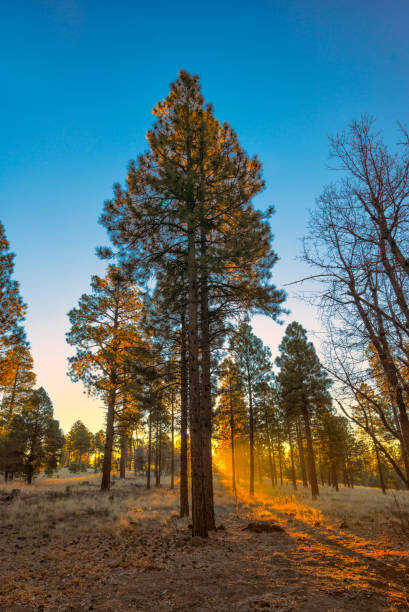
(358, 241)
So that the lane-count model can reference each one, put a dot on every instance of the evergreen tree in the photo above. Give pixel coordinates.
(34, 439)
(104, 329)
(188, 199)
(79, 441)
(231, 411)
(17, 378)
(304, 386)
(12, 307)
(98, 444)
(53, 445)
(253, 361)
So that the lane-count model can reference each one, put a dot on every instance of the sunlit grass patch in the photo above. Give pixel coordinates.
(348, 508)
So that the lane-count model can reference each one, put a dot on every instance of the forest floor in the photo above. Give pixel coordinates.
(64, 546)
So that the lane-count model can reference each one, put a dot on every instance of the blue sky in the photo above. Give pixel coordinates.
(79, 80)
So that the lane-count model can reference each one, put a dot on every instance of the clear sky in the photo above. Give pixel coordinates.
(79, 79)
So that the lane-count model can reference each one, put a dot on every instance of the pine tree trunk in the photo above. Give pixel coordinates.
(351, 480)
(251, 429)
(205, 384)
(135, 454)
(29, 474)
(109, 440)
(280, 460)
(273, 459)
(122, 464)
(172, 450)
(157, 455)
(380, 470)
(199, 508)
(293, 478)
(232, 433)
(270, 459)
(130, 448)
(322, 475)
(184, 495)
(301, 456)
(310, 453)
(334, 476)
(205, 387)
(148, 469)
(346, 479)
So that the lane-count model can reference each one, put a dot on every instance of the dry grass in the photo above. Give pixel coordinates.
(51, 503)
(360, 508)
(55, 503)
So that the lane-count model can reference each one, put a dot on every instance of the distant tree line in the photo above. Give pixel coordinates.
(282, 424)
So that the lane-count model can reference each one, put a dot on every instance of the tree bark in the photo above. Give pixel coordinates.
(232, 433)
(184, 495)
(251, 428)
(301, 456)
(270, 458)
(293, 478)
(205, 388)
(148, 469)
(380, 470)
(157, 454)
(334, 475)
(199, 508)
(310, 453)
(122, 464)
(172, 450)
(280, 460)
(109, 439)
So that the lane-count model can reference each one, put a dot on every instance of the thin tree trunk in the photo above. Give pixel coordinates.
(148, 470)
(322, 476)
(109, 439)
(172, 456)
(351, 480)
(29, 474)
(122, 464)
(280, 460)
(334, 475)
(130, 454)
(184, 495)
(157, 454)
(290, 442)
(251, 428)
(310, 454)
(380, 470)
(270, 459)
(301, 456)
(232, 433)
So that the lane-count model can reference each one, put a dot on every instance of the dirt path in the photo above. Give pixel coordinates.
(162, 568)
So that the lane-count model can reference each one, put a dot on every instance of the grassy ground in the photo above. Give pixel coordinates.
(65, 546)
(361, 509)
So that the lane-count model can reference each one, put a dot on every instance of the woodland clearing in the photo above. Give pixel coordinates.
(66, 546)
